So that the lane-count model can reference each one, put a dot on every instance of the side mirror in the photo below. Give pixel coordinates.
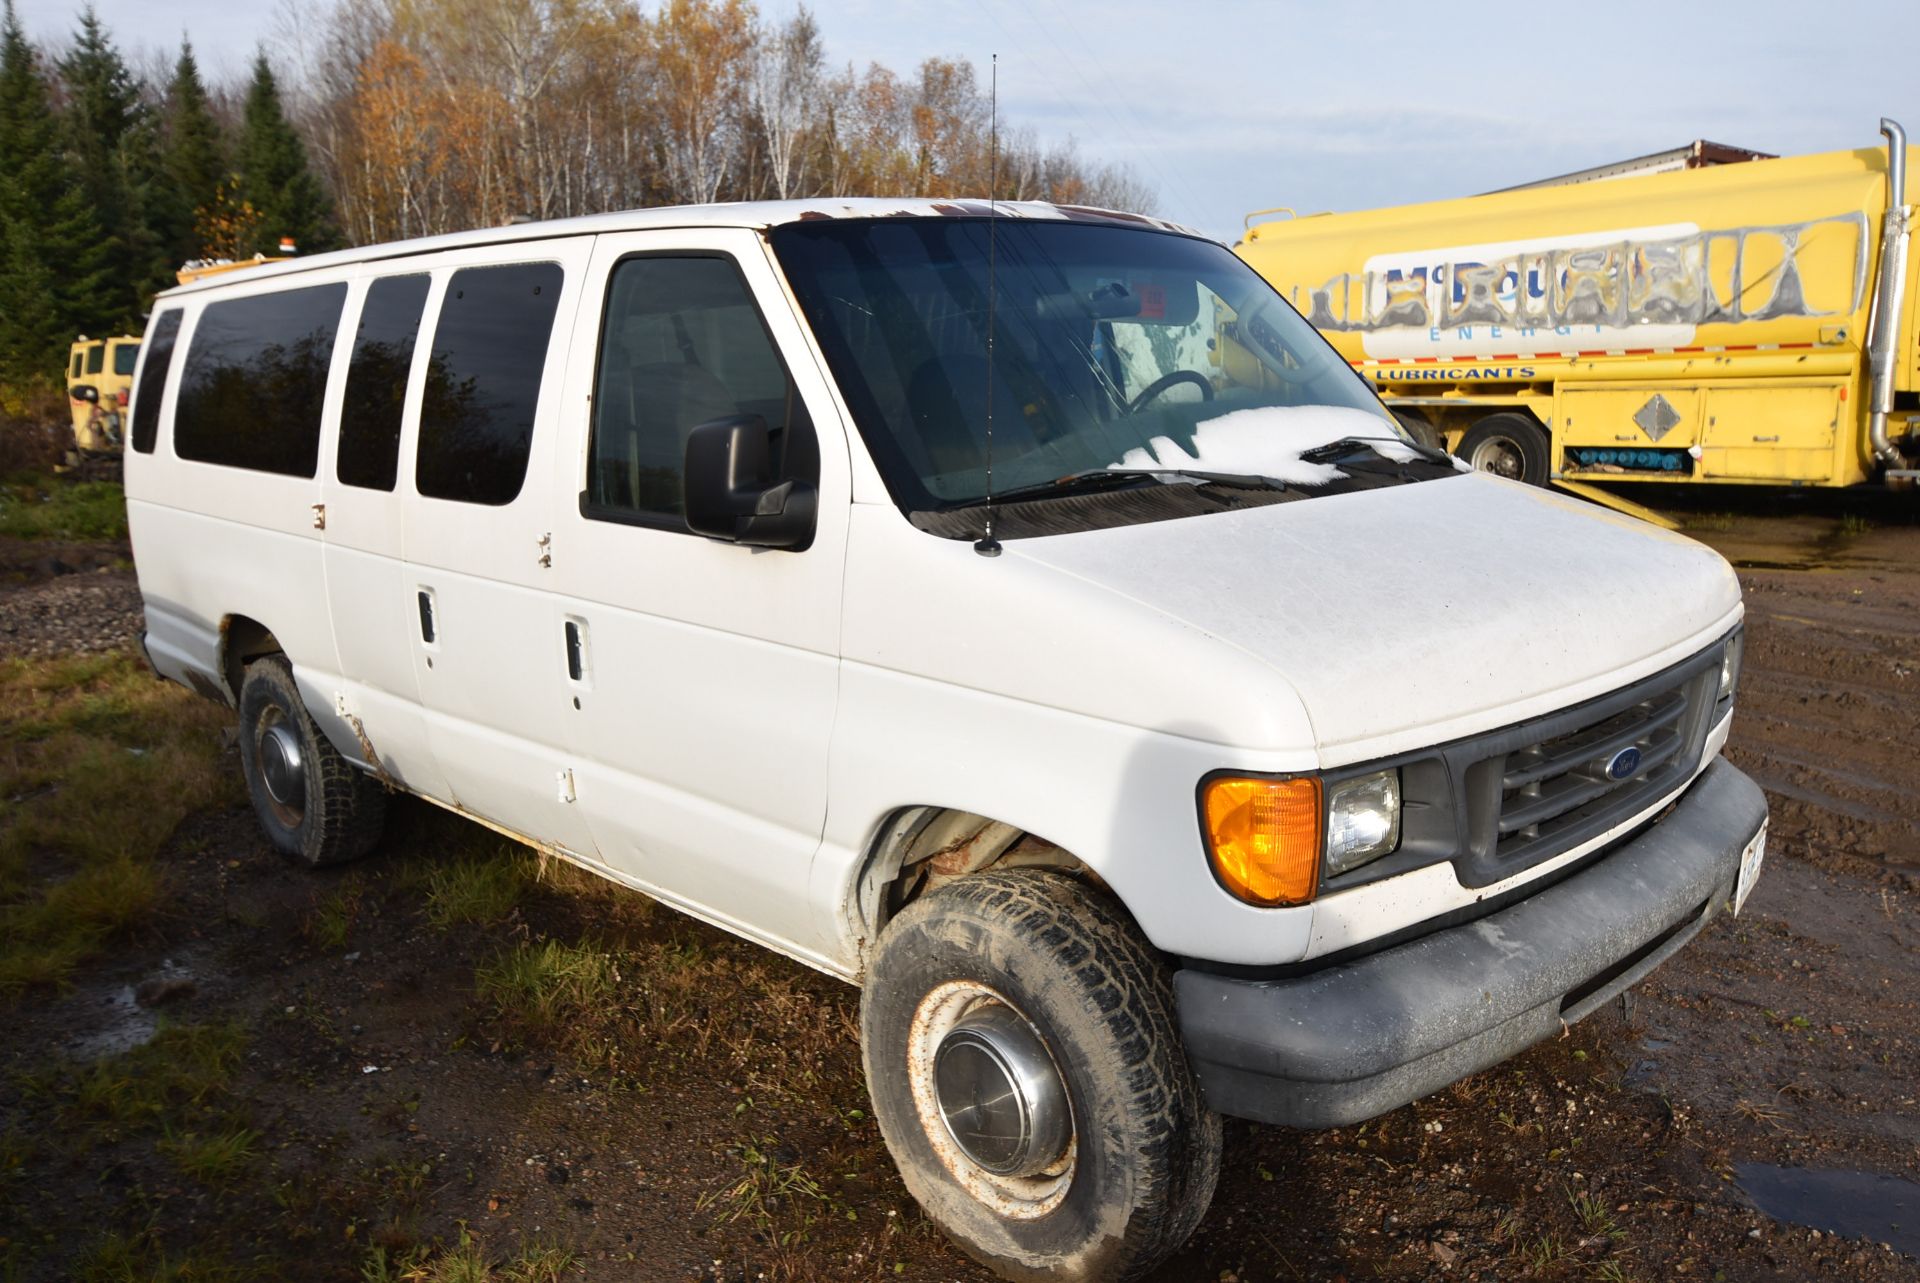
(85, 392)
(729, 492)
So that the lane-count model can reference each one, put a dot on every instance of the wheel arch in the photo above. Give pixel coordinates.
(243, 640)
(918, 848)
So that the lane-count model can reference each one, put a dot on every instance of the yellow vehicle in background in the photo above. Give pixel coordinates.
(1750, 322)
(99, 384)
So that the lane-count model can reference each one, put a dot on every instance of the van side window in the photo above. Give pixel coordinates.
(79, 358)
(483, 385)
(124, 358)
(255, 376)
(96, 358)
(376, 391)
(681, 344)
(153, 380)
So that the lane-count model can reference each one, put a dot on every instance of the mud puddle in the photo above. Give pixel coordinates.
(1865, 1205)
(114, 1018)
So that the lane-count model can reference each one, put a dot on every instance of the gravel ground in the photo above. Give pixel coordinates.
(79, 613)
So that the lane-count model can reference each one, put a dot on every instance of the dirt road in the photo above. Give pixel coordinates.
(359, 1072)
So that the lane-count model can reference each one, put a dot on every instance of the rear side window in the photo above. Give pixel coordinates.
(153, 379)
(96, 358)
(124, 358)
(255, 376)
(483, 383)
(376, 390)
(78, 358)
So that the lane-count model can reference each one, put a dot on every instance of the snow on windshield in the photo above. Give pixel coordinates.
(1268, 441)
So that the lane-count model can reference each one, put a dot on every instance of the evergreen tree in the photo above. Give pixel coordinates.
(192, 159)
(274, 177)
(109, 145)
(51, 274)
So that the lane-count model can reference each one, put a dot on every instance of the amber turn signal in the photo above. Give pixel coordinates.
(1264, 837)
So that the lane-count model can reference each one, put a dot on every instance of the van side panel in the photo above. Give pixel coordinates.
(214, 542)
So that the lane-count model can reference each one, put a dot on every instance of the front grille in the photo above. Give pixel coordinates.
(1565, 779)
(1495, 804)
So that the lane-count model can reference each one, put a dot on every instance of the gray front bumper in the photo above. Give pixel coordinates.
(1357, 1039)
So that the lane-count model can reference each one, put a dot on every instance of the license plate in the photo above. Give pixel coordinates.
(1750, 860)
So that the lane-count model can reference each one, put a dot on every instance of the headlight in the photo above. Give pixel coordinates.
(1730, 664)
(1363, 820)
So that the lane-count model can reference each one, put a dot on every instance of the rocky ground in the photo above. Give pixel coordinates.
(563, 1068)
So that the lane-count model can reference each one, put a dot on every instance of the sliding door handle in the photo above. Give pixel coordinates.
(429, 631)
(576, 651)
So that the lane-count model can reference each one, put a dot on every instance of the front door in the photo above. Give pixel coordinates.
(702, 674)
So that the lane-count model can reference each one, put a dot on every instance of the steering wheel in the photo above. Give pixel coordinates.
(1166, 381)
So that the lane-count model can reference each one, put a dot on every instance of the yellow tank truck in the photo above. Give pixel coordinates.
(1751, 322)
(99, 383)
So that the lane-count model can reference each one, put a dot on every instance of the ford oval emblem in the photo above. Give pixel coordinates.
(1624, 763)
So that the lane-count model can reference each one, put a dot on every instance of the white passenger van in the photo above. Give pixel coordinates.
(1022, 614)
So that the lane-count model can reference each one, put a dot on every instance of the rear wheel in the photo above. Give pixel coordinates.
(1507, 445)
(314, 805)
(1028, 1076)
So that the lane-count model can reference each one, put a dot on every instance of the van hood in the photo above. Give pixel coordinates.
(1412, 615)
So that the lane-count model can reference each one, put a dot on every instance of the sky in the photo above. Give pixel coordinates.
(1227, 106)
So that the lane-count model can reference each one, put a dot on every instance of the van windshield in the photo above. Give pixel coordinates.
(1121, 359)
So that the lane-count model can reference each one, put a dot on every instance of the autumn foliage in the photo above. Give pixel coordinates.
(435, 115)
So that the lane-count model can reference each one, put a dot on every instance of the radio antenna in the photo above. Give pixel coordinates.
(988, 546)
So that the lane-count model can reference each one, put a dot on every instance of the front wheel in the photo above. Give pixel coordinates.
(1507, 445)
(1028, 1075)
(315, 805)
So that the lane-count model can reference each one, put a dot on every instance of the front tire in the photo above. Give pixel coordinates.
(315, 806)
(1508, 445)
(1028, 1076)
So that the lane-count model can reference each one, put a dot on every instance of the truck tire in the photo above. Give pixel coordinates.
(1024, 1011)
(315, 806)
(1420, 430)
(1507, 445)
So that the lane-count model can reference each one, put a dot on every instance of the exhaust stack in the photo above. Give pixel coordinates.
(1890, 290)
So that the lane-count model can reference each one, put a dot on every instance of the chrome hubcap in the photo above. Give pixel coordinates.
(282, 767)
(1000, 1097)
(991, 1100)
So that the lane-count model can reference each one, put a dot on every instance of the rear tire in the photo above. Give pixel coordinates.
(1041, 951)
(314, 805)
(1508, 445)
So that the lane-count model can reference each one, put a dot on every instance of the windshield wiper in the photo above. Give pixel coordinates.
(1092, 480)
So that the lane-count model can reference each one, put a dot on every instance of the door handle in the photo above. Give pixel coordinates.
(428, 632)
(576, 651)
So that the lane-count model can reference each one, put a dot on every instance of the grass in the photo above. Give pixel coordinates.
(215, 1160)
(332, 918)
(764, 1188)
(543, 985)
(116, 1257)
(467, 1261)
(1853, 525)
(99, 762)
(481, 889)
(183, 1066)
(51, 508)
